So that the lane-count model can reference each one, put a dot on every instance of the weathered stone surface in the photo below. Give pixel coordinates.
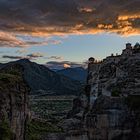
(109, 118)
(13, 103)
(114, 97)
(111, 104)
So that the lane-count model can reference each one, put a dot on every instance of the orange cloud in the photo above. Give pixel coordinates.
(8, 39)
(127, 17)
(54, 17)
(103, 26)
(66, 66)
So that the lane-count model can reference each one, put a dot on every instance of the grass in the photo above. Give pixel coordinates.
(53, 109)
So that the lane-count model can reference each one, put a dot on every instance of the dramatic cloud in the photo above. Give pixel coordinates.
(11, 40)
(21, 21)
(57, 17)
(63, 64)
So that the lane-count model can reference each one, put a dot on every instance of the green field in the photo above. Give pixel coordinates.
(51, 107)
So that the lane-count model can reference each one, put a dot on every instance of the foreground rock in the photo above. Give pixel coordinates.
(113, 95)
(110, 107)
(13, 103)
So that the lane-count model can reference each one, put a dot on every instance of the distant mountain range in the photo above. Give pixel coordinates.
(43, 80)
(78, 73)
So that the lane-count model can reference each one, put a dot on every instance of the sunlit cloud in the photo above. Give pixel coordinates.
(63, 64)
(54, 17)
(12, 40)
(66, 66)
(128, 17)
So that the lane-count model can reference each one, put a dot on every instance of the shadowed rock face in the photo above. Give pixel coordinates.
(110, 108)
(114, 98)
(109, 118)
(13, 103)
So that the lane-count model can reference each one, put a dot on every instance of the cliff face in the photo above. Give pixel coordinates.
(13, 103)
(120, 75)
(110, 119)
(110, 108)
(114, 97)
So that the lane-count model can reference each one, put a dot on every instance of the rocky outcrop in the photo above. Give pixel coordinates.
(108, 76)
(108, 119)
(110, 107)
(114, 97)
(13, 103)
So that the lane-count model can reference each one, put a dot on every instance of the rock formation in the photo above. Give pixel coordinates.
(110, 107)
(13, 103)
(115, 76)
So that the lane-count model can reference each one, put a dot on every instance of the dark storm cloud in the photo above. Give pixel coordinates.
(48, 17)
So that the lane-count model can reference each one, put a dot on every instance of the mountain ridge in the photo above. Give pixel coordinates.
(77, 73)
(40, 78)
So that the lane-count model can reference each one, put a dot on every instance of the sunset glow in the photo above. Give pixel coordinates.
(47, 26)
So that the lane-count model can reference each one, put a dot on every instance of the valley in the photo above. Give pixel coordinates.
(102, 109)
(69, 70)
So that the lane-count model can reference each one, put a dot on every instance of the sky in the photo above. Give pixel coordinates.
(66, 32)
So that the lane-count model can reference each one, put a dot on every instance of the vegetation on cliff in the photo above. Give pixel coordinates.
(5, 130)
(13, 103)
(36, 129)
